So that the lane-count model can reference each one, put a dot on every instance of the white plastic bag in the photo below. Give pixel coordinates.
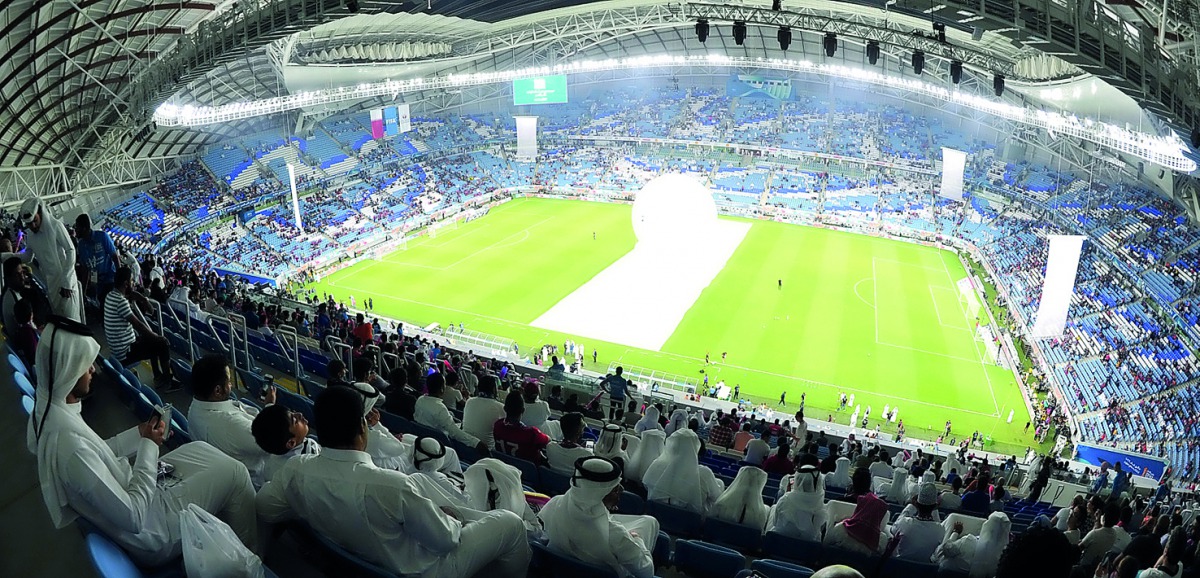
(212, 550)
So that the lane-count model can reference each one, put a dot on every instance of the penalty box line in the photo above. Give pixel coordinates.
(977, 359)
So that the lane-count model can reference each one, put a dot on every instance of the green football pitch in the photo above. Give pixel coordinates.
(876, 318)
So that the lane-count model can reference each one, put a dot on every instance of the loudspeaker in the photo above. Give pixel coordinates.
(830, 44)
(784, 36)
(702, 30)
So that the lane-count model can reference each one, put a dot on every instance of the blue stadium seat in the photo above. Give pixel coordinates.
(529, 470)
(559, 566)
(778, 545)
(23, 384)
(17, 365)
(675, 521)
(553, 483)
(27, 405)
(295, 402)
(109, 560)
(776, 569)
(631, 504)
(703, 560)
(350, 563)
(851, 558)
(899, 568)
(742, 537)
(394, 423)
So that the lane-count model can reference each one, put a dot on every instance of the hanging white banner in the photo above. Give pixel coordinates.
(526, 137)
(295, 197)
(1061, 267)
(954, 163)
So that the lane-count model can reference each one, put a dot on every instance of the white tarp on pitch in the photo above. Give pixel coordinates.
(526, 138)
(1061, 266)
(953, 164)
(640, 299)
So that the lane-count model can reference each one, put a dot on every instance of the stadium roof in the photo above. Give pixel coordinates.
(82, 77)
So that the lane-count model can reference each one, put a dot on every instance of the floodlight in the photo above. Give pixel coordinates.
(956, 71)
(702, 30)
(739, 32)
(918, 61)
(830, 44)
(998, 84)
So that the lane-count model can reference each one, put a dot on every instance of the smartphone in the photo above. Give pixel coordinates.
(164, 415)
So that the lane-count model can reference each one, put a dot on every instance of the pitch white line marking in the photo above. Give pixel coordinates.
(859, 295)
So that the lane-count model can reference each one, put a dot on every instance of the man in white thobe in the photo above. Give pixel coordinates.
(84, 476)
(429, 411)
(801, 513)
(379, 514)
(677, 478)
(580, 524)
(218, 418)
(47, 240)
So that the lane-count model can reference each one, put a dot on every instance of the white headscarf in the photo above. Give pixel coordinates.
(648, 450)
(840, 478)
(54, 419)
(428, 454)
(898, 459)
(678, 421)
(914, 485)
(756, 452)
(649, 420)
(503, 492)
(578, 521)
(609, 445)
(898, 491)
(952, 463)
(800, 513)
(675, 476)
(993, 538)
(742, 501)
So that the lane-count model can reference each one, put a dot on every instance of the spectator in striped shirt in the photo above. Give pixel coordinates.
(129, 338)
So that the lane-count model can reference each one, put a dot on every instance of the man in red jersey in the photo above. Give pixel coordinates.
(515, 438)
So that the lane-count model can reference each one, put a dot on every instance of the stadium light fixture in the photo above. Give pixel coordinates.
(956, 71)
(998, 85)
(1166, 151)
(785, 38)
(702, 30)
(830, 44)
(872, 52)
(739, 32)
(940, 30)
(918, 61)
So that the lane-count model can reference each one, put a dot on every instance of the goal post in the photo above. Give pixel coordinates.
(970, 300)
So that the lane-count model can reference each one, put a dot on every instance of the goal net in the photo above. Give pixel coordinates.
(970, 300)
